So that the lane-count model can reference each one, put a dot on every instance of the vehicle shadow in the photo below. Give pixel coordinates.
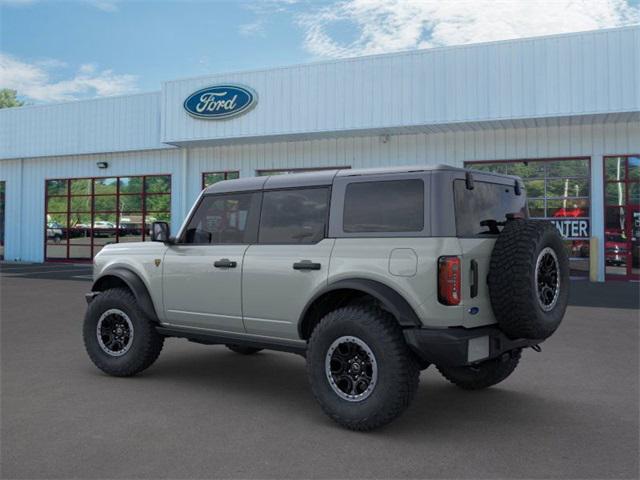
(279, 381)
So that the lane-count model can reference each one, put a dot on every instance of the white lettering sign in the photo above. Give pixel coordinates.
(572, 228)
(209, 102)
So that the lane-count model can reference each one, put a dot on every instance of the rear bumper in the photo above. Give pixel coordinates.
(459, 346)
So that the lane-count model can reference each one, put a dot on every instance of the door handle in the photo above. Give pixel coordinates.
(306, 265)
(225, 263)
(474, 279)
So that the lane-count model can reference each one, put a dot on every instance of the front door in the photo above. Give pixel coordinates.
(202, 282)
(622, 217)
(289, 263)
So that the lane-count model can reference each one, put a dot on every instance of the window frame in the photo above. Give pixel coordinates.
(92, 245)
(224, 173)
(336, 219)
(325, 233)
(627, 206)
(180, 239)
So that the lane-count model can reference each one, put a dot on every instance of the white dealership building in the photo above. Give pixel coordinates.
(562, 111)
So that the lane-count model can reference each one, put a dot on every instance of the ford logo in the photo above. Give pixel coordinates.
(220, 101)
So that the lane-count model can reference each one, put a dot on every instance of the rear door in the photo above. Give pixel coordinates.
(290, 261)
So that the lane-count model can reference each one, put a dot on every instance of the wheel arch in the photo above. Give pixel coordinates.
(343, 292)
(124, 277)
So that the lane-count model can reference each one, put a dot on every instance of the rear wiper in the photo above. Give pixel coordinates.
(493, 225)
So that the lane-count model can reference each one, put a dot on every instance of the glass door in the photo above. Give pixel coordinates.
(622, 217)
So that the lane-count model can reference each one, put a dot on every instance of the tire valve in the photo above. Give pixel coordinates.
(536, 348)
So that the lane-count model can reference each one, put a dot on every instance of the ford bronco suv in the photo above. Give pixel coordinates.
(372, 275)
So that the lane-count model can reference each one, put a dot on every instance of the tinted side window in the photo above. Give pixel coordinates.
(486, 202)
(294, 216)
(387, 206)
(229, 218)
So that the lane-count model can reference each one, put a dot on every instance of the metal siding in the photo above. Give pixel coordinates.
(92, 126)
(25, 196)
(448, 147)
(557, 76)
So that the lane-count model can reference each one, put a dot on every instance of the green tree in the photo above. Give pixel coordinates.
(8, 98)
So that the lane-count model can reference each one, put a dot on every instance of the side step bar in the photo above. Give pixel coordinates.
(217, 338)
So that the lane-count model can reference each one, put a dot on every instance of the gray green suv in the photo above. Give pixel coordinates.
(372, 275)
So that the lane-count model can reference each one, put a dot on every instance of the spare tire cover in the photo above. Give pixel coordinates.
(529, 279)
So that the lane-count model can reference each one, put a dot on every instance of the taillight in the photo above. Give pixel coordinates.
(449, 280)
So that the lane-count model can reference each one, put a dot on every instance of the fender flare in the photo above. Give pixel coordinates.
(391, 300)
(135, 284)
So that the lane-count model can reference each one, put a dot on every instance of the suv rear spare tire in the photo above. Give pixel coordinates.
(529, 279)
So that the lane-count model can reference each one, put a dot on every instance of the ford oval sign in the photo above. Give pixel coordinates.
(220, 101)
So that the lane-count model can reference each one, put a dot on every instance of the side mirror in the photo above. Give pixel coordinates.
(160, 232)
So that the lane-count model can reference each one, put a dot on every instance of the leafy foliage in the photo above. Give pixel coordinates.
(8, 98)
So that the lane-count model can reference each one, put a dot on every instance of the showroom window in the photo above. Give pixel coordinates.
(262, 173)
(85, 214)
(622, 217)
(2, 187)
(209, 178)
(558, 190)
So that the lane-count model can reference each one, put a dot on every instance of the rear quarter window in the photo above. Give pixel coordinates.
(476, 209)
(384, 206)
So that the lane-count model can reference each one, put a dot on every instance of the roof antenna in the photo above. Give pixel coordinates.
(468, 180)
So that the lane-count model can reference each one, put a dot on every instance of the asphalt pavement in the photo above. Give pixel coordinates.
(571, 411)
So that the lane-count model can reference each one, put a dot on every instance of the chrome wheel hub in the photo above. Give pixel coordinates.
(351, 368)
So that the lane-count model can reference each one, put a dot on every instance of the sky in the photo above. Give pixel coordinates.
(54, 50)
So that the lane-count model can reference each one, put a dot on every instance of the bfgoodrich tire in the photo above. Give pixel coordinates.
(529, 279)
(360, 369)
(118, 337)
(483, 375)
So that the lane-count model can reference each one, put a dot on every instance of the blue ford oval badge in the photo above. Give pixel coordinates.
(220, 101)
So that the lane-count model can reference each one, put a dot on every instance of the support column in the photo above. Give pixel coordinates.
(597, 216)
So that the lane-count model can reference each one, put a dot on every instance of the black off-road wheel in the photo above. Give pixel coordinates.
(529, 279)
(483, 375)
(118, 337)
(242, 349)
(361, 371)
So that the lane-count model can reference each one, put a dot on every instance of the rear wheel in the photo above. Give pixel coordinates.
(483, 375)
(242, 349)
(118, 336)
(360, 368)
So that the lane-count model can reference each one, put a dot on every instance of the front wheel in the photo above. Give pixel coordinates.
(118, 337)
(483, 375)
(360, 368)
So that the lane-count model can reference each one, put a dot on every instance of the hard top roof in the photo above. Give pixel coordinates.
(324, 177)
